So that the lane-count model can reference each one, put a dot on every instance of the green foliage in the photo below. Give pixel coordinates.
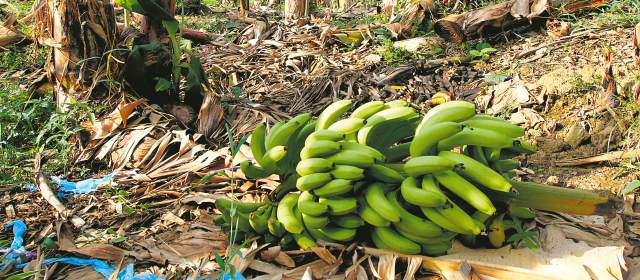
(12, 59)
(631, 186)
(522, 236)
(481, 51)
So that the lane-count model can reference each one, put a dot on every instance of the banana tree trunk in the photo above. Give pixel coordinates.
(294, 9)
(78, 32)
(153, 29)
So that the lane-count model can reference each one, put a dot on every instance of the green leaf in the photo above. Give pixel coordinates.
(481, 46)
(475, 53)
(162, 84)
(488, 50)
(236, 91)
(22, 276)
(117, 240)
(631, 186)
(495, 78)
(131, 5)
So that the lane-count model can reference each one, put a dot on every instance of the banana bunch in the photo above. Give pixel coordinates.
(412, 183)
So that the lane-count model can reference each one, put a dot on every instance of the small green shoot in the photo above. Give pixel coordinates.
(522, 236)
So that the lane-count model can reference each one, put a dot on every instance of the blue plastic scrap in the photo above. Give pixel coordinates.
(105, 269)
(17, 248)
(238, 276)
(31, 187)
(82, 187)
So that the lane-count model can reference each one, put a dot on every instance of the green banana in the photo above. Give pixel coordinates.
(328, 135)
(412, 223)
(281, 136)
(313, 181)
(371, 216)
(398, 152)
(477, 137)
(307, 205)
(395, 241)
(317, 235)
(272, 157)
(348, 125)
(478, 172)
(492, 154)
(240, 221)
(485, 117)
(465, 190)
(340, 206)
(224, 204)
(503, 127)
(357, 147)
(273, 225)
(505, 165)
(452, 111)
(521, 212)
(397, 103)
(422, 165)
(332, 113)
(384, 174)
(420, 197)
(378, 242)
(338, 233)
(286, 214)
(496, 231)
(436, 249)
(258, 219)
(375, 197)
(395, 113)
(478, 154)
(319, 149)
(524, 147)
(403, 129)
(304, 240)
(367, 110)
(313, 165)
(257, 143)
(397, 167)
(471, 240)
(444, 237)
(449, 216)
(353, 158)
(314, 222)
(349, 221)
(272, 132)
(334, 188)
(297, 143)
(347, 172)
(427, 139)
(252, 171)
(287, 241)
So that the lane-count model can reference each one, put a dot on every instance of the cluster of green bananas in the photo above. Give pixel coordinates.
(409, 180)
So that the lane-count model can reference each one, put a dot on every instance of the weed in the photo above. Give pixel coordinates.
(522, 236)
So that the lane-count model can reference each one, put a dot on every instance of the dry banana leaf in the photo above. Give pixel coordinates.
(492, 20)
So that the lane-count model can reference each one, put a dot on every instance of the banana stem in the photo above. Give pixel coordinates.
(285, 187)
(550, 198)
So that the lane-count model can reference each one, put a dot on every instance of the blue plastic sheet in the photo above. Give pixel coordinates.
(105, 268)
(31, 187)
(82, 187)
(17, 249)
(238, 276)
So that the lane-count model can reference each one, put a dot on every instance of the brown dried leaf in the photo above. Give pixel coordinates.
(98, 251)
(636, 45)
(283, 259)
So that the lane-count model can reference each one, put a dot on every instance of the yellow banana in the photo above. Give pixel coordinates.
(318, 149)
(477, 137)
(347, 172)
(340, 206)
(286, 214)
(313, 181)
(496, 232)
(478, 172)
(313, 165)
(427, 139)
(376, 199)
(307, 205)
(367, 110)
(452, 111)
(465, 190)
(384, 174)
(396, 242)
(334, 188)
(420, 197)
(348, 125)
(422, 165)
(332, 113)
